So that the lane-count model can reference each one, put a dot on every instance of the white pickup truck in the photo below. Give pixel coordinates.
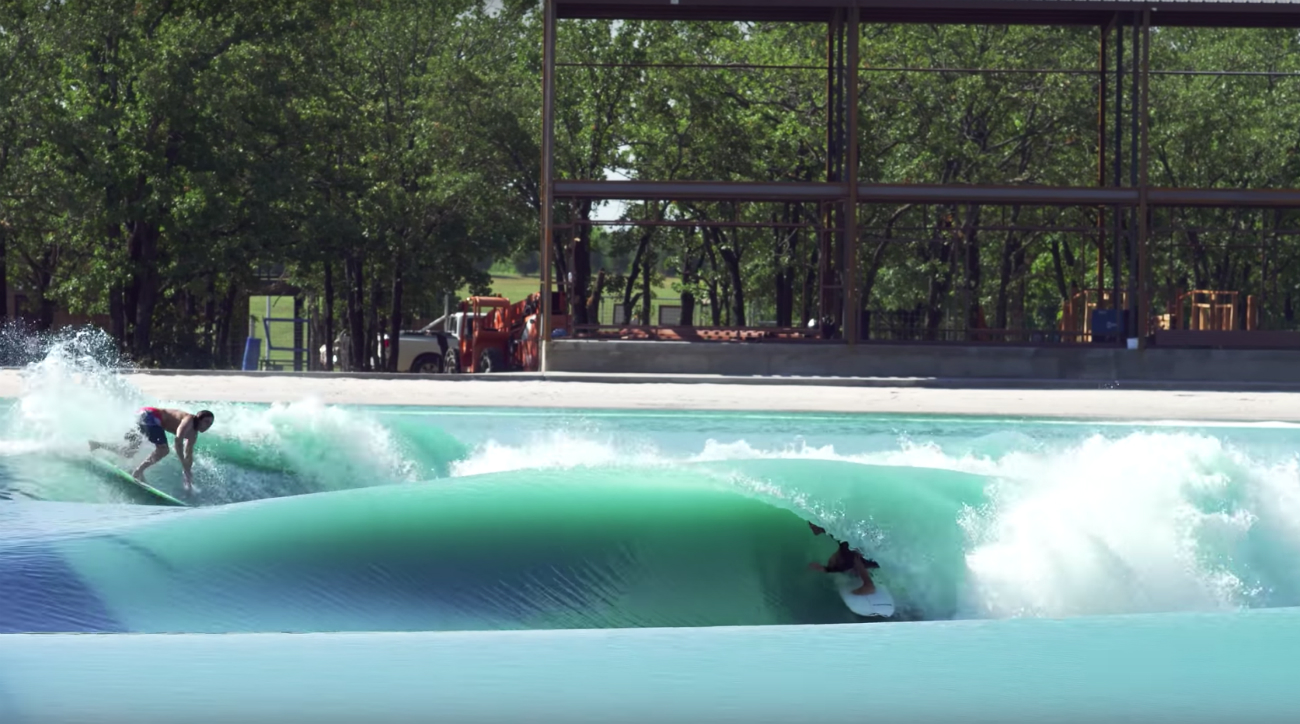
(421, 350)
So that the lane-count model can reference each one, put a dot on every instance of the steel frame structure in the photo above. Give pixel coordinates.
(1128, 206)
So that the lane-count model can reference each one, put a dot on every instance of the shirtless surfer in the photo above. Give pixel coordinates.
(153, 425)
(844, 560)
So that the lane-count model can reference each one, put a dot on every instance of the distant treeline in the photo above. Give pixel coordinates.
(158, 156)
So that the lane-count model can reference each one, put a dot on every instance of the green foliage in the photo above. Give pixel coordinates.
(161, 161)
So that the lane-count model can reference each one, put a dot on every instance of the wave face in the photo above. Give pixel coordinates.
(327, 518)
(693, 545)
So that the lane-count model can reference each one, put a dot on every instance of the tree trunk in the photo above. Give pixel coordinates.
(634, 275)
(1058, 269)
(226, 317)
(143, 292)
(593, 302)
(329, 317)
(395, 315)
(647, 294)
(715, 295)
(1010, 252)
(940, 284)
(4, 273)
(785, 249)
(373, 330)
(581, 266)
(974, 270)
(811, 304)
(355, 311)
(116, 314)
(690, 274)
(732, 261)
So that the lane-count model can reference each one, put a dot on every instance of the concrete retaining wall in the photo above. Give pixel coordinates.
(988, 362)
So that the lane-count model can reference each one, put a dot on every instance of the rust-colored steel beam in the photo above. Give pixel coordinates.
(1024, 195)
(548, 176)
(849, 280)
(690, 224)
(760, 191)
(1223, 198)
(702, 190)
(1144, 188)
(1208, 13)
(1103, 88)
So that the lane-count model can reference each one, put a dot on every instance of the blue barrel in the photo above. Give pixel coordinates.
(252, 349)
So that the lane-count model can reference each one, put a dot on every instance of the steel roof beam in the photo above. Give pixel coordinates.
(702, 190)
(922, 194)
(1209, 13)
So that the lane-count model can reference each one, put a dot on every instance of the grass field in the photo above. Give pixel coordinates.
(281, 332)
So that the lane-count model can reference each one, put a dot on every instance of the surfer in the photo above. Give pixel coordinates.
(153, 425)
(844, 560)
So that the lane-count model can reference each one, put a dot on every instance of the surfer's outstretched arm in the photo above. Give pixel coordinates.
(185, 435)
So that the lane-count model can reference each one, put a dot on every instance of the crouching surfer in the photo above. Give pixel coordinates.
(844, 560)
(153, 425)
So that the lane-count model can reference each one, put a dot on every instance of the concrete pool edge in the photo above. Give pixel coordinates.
(629, 378)
(605, 392)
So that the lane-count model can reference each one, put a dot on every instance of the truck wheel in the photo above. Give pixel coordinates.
(491, 361)
(427, 364)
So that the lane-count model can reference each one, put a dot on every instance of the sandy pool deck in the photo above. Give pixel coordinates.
(1112, 404)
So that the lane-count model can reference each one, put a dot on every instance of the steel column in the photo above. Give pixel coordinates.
(1144, 276)
(852, 311)
(1134, 131)
(1101, 163)
(548, 177)
(1117, 220)
(832, 248)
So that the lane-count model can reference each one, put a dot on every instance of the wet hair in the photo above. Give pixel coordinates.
(205, 413)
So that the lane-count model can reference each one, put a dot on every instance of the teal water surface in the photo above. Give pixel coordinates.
(1187, 668)
(1059, 568)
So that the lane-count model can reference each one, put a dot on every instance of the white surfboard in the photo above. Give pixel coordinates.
(880, 603)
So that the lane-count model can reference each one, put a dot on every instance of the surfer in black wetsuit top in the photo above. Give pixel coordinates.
(844, 560)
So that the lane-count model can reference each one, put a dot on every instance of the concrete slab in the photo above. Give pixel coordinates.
(483, 391)
(1073, 365)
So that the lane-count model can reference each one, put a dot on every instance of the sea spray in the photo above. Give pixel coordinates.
(74, 390)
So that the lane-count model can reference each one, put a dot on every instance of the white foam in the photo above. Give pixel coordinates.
(75, 393)
(1148, 521)
(557, 449)
(336, 447)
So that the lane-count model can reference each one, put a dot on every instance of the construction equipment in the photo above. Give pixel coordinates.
(494, 335)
